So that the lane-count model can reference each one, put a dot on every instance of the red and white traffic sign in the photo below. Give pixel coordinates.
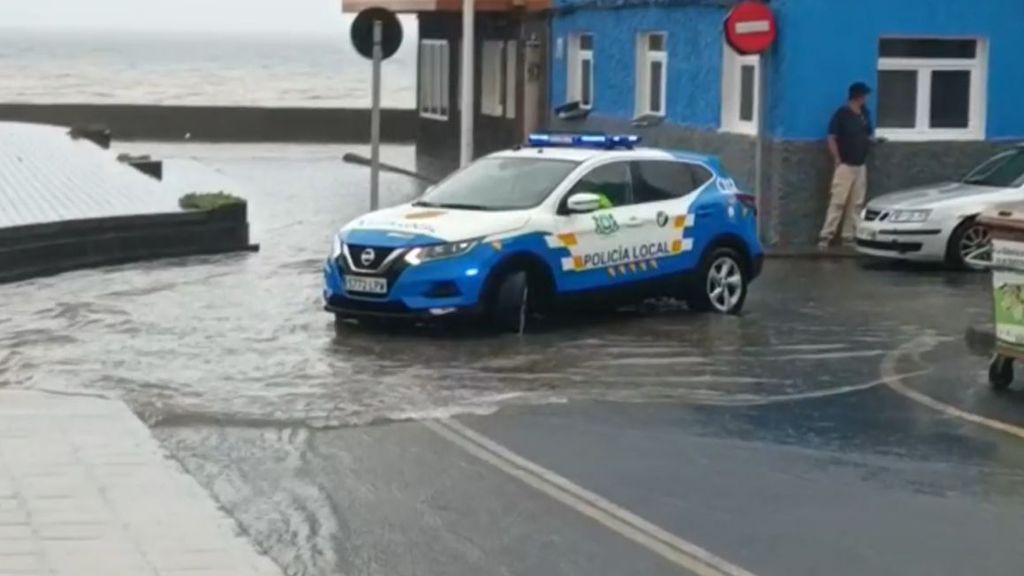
(750, 27)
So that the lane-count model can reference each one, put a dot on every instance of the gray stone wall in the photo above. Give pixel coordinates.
(797, 173)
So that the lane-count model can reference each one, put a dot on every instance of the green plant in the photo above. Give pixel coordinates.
(208, 200)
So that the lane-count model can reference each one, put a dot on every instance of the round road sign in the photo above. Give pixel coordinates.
(362, 32)
(750, 27)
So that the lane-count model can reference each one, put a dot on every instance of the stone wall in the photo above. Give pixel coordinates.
(221, 123)
(47, 249)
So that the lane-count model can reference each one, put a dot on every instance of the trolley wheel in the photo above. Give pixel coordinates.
(1000, 372)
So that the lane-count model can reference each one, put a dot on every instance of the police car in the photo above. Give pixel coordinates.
(564, 219)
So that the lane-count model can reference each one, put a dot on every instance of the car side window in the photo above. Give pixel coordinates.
(659, 180)
(611, 181)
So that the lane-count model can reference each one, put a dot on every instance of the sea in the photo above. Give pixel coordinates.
(189, 68)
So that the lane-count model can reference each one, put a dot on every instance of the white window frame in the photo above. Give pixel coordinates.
(434, 64)
(492, 65)
(732, 79)
(645, 58)
(577, 56)
(976, 110)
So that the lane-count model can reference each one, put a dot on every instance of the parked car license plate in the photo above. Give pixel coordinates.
(866, 234)
(366, 284)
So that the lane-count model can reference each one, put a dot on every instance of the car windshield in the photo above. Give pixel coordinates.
(499, 184)
(1006, 170)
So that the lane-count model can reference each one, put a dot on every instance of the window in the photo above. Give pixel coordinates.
(498, 78)
(1005, 170)
(659, 180)
(492, 94)
(651, 58)
(511, 58)
(613, 181)
(931, 89)
(581, 70)
(740, 94)
(434, 79)
(500, 184)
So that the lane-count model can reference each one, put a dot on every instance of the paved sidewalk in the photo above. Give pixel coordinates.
(86, 490)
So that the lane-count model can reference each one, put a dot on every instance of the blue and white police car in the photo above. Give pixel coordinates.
(564, 219)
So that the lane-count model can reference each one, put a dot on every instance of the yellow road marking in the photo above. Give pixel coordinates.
(680, 552)
(894, 382)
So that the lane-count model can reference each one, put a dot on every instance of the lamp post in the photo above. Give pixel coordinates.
(468, 43)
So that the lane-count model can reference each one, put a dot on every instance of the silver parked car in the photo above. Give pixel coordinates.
(937, 223)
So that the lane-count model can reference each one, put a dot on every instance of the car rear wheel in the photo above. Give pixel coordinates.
(721, 284)
(969, 239)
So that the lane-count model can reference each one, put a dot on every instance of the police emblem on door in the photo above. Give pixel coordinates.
(605, 224)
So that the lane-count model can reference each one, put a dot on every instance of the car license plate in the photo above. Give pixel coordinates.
(866, 234)
(366, 284)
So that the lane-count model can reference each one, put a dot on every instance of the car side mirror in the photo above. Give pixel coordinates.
(583, 202)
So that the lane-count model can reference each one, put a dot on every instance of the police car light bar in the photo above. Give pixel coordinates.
(540, 139)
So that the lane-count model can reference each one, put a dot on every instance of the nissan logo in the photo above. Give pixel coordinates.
(367, 257)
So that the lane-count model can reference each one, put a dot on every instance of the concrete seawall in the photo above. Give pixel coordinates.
(221, 123)
(46, 249)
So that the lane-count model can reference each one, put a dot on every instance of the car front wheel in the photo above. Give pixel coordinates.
(510, 304)
(721, 283)
(969, 239)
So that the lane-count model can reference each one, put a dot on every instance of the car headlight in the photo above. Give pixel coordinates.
(909, 215)
(439, 251)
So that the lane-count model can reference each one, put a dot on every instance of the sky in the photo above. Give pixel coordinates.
(290, 16)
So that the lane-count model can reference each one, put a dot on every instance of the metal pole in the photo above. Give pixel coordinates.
(762, 123)
(468, 84)
(375, 119)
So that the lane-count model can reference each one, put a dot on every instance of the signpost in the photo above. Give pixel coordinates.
(376, 34)
(750, 28)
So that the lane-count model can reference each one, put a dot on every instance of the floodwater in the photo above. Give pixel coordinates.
(242, 338)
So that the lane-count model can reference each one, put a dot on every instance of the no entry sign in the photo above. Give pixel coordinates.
(750, 27)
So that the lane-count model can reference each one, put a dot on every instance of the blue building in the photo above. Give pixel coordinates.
(947, 74)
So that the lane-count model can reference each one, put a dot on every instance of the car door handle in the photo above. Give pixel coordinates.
(634, 222)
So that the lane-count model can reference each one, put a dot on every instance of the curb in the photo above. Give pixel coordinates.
(812, 253)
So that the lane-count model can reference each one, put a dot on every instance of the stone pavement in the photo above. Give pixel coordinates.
(85, 489)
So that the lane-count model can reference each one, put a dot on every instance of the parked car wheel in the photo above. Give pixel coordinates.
(721, 284)
(968, 238)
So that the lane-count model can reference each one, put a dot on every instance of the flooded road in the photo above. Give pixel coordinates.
(242, 337)
(244, 379)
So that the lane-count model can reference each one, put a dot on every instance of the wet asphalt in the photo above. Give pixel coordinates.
(772, 440)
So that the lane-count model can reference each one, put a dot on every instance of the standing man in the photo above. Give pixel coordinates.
(849, 139)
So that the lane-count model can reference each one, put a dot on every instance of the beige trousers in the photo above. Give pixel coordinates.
(849, 185)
